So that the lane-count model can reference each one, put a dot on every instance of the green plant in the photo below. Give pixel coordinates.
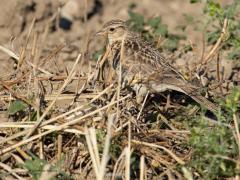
(232, 100)
(97, 54)
(16, 106)
(215, 150)
(35, 166)
(101, 135)
(213, 20)
(153, 29)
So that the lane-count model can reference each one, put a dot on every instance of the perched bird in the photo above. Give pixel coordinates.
(143, 67)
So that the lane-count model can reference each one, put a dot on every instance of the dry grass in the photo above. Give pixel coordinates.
(101, 134)
(105, 111)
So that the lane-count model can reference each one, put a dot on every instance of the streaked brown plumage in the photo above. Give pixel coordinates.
(143, 67)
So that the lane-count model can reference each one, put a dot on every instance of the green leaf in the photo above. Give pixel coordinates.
(194, 1)
(234, 55)
(154, 22)
(232, 100)
(212, 36)
(97, 54)
(16, 106)
(162, 30)
(136, 21)
(171, 44)
(35, 167)
(215, 9)
(137, 18)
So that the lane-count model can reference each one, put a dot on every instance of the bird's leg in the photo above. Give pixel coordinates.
(141, 91)
(167, 105)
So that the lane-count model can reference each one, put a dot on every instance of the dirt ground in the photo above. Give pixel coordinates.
(72, 24)
(85, 18)
(16, 18)
(59, 30)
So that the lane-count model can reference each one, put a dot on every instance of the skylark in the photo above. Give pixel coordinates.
(142, 66)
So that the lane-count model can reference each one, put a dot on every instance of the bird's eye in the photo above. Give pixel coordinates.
(111, 29)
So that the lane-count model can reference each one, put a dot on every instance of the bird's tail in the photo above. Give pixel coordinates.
(194, 94)
(205, 102)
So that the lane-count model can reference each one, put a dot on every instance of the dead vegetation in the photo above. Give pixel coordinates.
(65, 123)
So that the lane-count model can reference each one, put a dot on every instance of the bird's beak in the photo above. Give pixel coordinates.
(100, 33)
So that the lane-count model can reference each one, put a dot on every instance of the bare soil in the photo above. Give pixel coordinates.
(51, 34)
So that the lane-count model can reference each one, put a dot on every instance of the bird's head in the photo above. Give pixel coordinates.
(115, 30)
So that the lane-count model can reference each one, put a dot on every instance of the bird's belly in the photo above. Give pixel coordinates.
(163, 87)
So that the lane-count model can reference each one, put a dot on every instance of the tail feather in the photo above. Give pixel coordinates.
(194, 94)
(205, 102)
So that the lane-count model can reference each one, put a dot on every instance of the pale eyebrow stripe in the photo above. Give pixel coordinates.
(114, 22)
